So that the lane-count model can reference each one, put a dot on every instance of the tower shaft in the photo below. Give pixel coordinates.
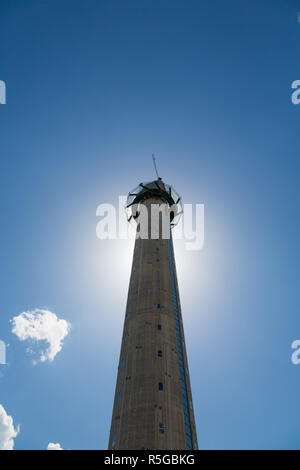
(153, 402)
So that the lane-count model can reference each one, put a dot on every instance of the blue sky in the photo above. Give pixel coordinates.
(93, 89)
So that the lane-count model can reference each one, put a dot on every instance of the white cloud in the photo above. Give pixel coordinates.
(41, 325)
(7, 431)
(52, 446)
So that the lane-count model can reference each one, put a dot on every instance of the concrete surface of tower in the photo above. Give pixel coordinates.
(153, 406)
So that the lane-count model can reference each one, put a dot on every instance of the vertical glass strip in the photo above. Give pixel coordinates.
(179, 346)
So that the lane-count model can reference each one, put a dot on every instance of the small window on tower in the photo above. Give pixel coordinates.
(158, 305)
(159, 327)
(114, 439)
(157, 259)
(160, 386)
(159, 353)
(161, 428)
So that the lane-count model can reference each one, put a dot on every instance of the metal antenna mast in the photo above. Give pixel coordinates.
(154, 163)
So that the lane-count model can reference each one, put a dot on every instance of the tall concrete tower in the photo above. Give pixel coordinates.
(153, 406)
